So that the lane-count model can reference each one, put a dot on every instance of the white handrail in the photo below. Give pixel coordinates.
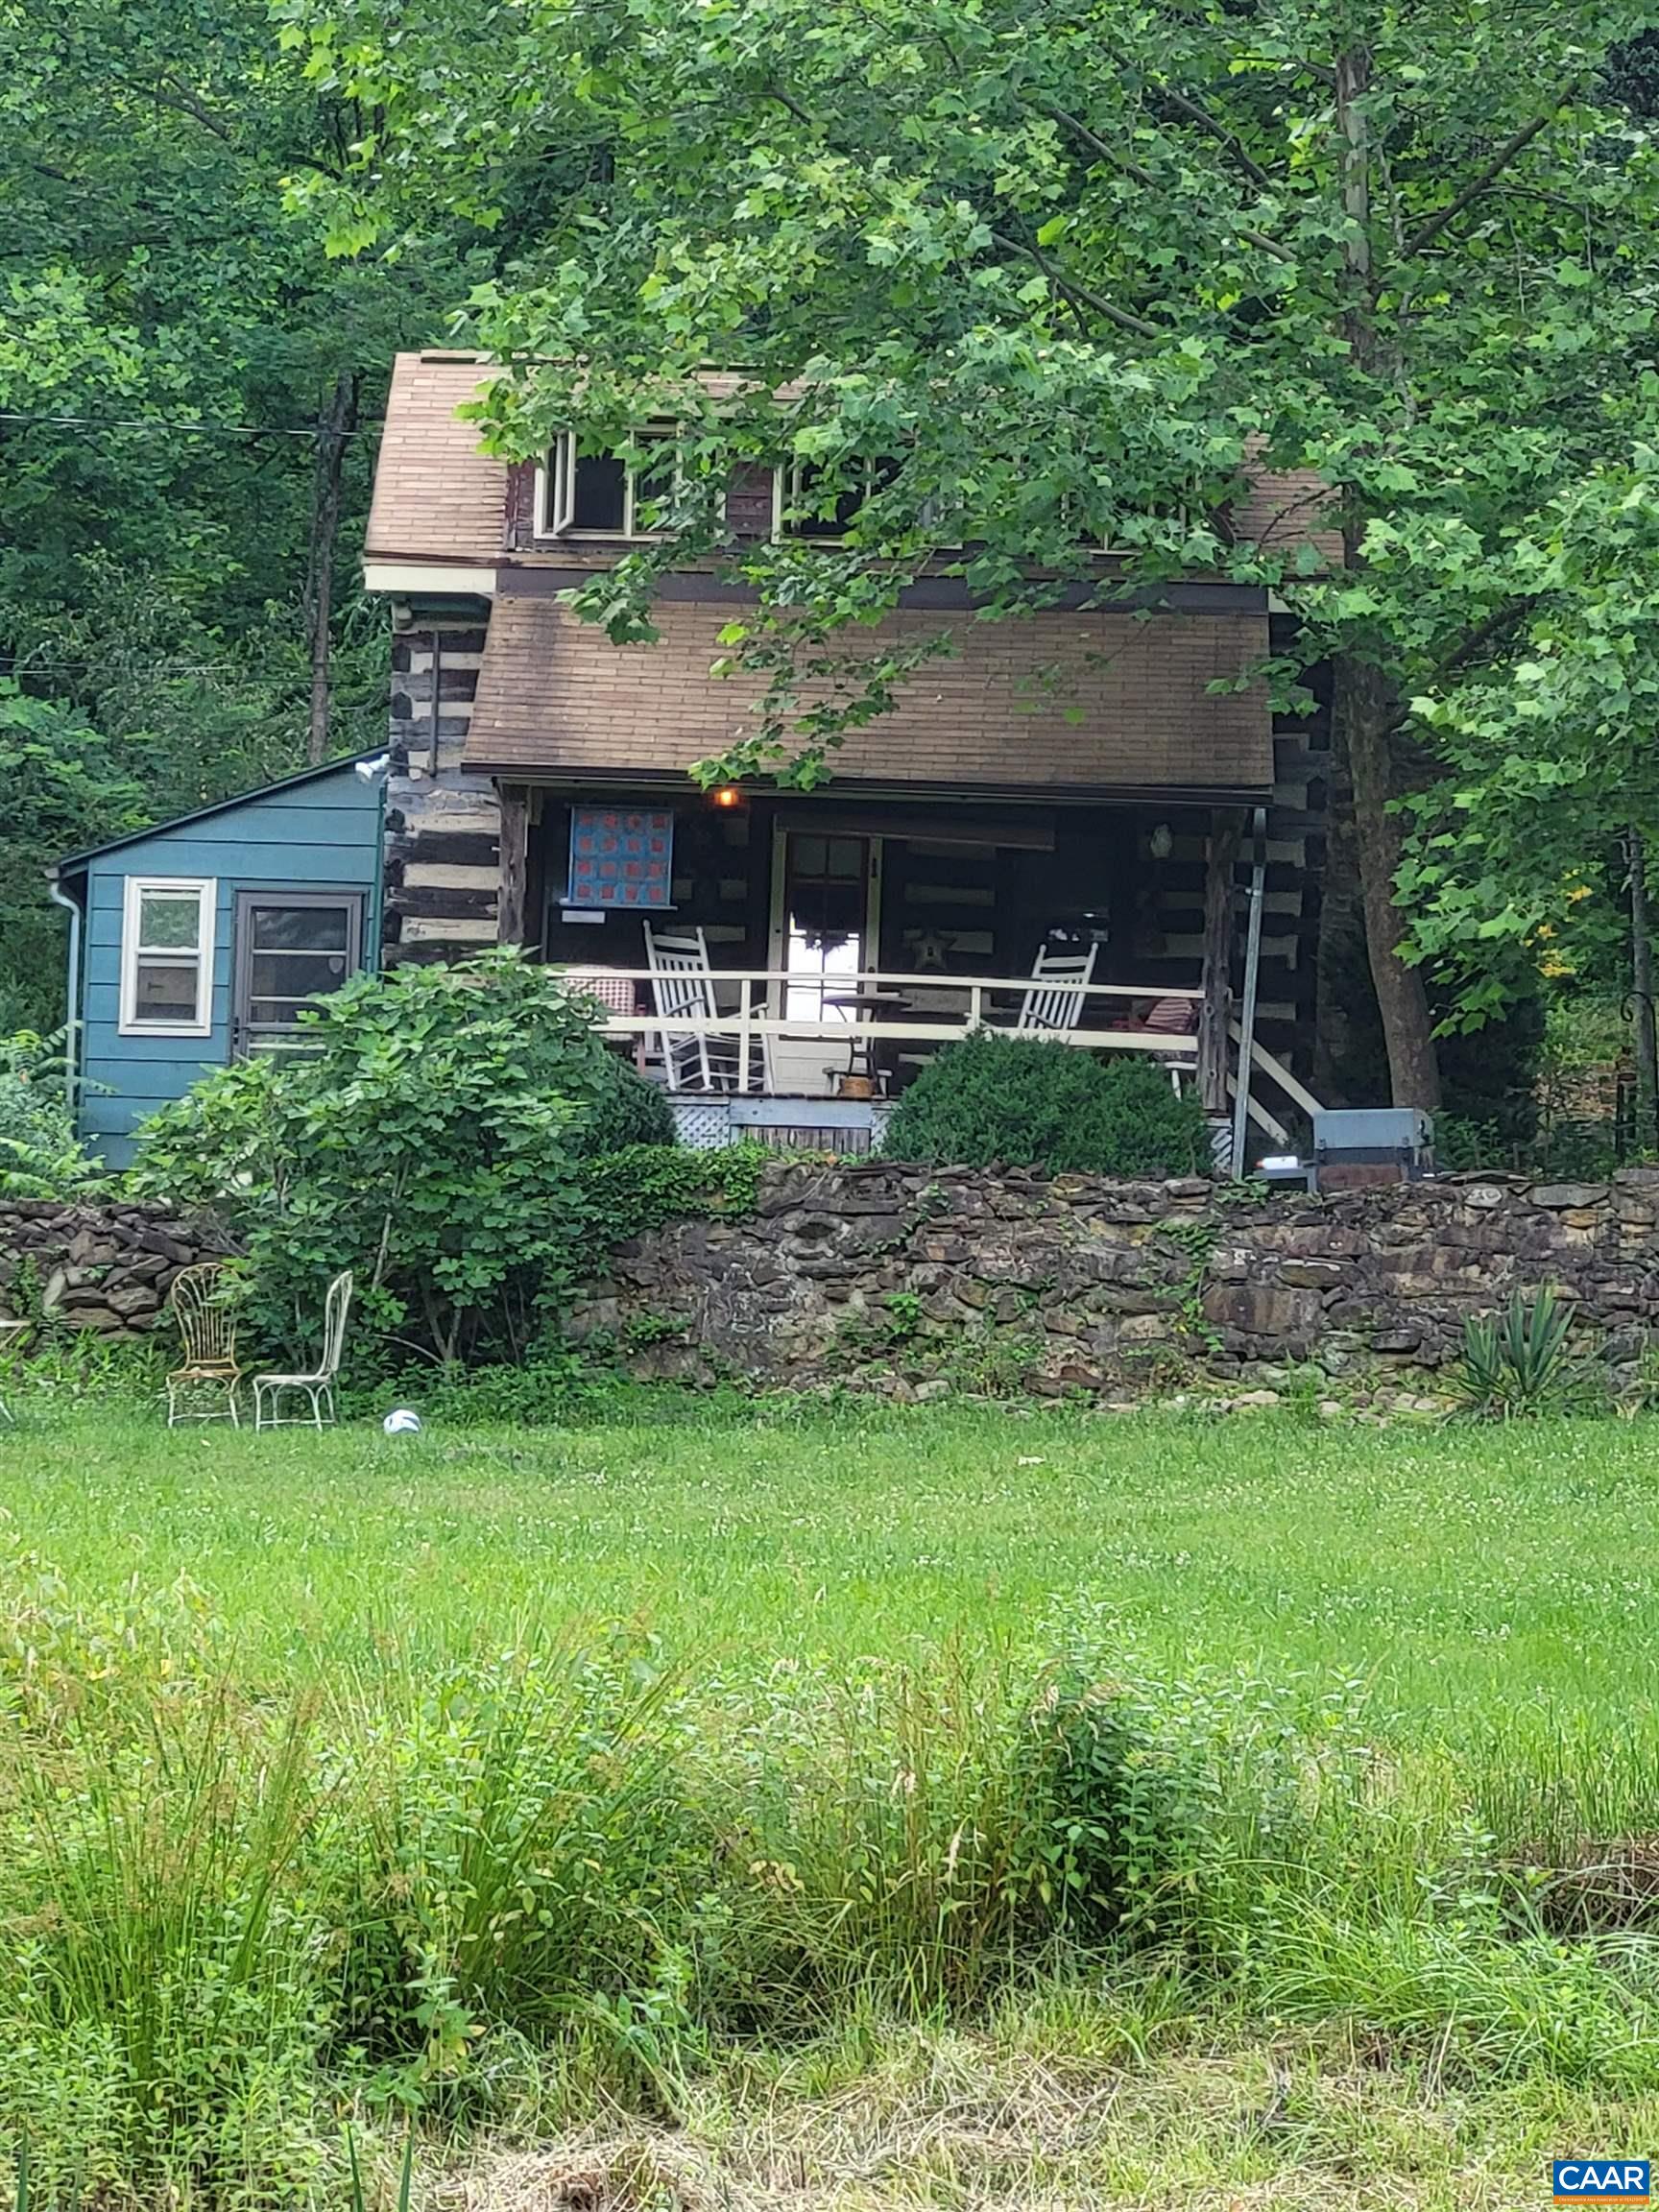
(805, 1030)
(883, 977)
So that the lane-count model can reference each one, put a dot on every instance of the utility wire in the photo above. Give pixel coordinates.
(160, 425)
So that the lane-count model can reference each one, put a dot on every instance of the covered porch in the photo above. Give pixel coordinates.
(1079, 799)
(784, 967)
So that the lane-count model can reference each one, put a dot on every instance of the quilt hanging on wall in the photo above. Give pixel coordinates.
(621, 856)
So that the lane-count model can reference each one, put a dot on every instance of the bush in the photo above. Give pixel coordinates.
(41, 1155)
(430, 1137)
(1031, 1103)
(1517, 1364)
(623, 1110)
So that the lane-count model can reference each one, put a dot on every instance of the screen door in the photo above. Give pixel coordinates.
(290, 947)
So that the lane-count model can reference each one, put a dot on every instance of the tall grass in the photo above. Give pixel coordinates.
(234, 1919)
(249, 1905)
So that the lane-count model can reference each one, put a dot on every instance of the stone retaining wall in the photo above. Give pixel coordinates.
(106, 1269)
(921, 1281)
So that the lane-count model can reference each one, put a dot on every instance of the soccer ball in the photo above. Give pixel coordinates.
(401, 1422)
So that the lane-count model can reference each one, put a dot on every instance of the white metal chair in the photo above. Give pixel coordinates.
(202, 1386)
(682, 993)
(8, 1330)
(319, 1386)
(1053, 1006)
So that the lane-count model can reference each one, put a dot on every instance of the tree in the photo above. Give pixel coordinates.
(1076, 266)
(183, 369)
(1526, 852)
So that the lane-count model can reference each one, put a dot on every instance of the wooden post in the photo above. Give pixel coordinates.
(511, 902)
(1226, 830)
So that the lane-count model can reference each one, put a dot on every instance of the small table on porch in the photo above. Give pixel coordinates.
(865, 1006)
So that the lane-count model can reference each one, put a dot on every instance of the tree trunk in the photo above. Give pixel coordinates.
(1365, 712)
(1365, 705)
(1641, 996)
(1341, 1013)
(339, 419)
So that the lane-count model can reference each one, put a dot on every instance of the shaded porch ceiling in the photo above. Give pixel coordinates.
(1065, 703)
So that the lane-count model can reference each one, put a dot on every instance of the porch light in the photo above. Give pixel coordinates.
(1162, 842)
(727, 795)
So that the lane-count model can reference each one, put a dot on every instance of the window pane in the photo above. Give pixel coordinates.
(165, 991)
(654, 483)
(846, 856)
(276, 1013)
(300, 928)
(287, 975)
(168, 922)
(600, 483)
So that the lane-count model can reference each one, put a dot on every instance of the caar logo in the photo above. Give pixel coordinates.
(1601, 2181)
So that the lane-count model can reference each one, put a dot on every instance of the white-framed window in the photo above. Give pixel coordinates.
(602, 494)
(803, 507)
(167, 956)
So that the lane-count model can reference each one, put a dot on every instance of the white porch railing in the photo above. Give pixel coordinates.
(757, 991)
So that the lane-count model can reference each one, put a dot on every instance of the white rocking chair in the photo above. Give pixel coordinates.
(1053, 1006)
(319, 1386)
(682, 993)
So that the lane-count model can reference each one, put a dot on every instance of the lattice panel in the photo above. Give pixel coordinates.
(704, 1124)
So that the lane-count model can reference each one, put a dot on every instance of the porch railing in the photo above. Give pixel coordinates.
(752, 1018)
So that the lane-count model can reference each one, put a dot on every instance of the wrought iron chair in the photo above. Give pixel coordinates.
(683, 995)
(9, 1332)
(207, 1334)
(319, 1385)
(1053, 1006)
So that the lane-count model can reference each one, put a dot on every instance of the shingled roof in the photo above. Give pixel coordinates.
(438, 497)
(1076, 703)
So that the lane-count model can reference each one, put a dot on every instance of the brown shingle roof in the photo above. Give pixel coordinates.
(1285, 510)
(436, 498)
(555, 696)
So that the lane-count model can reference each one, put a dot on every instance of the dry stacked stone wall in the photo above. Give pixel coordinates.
(104, 1268)
(919, 1281)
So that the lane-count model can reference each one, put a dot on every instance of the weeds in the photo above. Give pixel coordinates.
(498, 1870)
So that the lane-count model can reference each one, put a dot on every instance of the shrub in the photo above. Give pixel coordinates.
(429, 1138)
(623, 1109)
(1517, 1362)
(41, 1155)
(642, 1187)
(1032, 1103)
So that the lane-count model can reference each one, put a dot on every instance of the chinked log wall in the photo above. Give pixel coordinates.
(443, 826)
(442, 856)
(890, 1275)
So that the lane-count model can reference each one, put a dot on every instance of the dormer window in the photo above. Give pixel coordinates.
(590, 492)
(810, 510)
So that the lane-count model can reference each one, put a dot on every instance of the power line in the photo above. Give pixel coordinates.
(162, 425)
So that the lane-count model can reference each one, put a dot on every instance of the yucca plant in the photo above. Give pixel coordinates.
(1516, 1363)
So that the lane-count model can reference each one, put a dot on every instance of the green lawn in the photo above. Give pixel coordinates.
(759, 1892)
(1466, 1578)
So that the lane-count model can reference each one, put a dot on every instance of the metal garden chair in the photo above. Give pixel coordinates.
(318, 1386)
(207, 1334)
(9, 1332)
